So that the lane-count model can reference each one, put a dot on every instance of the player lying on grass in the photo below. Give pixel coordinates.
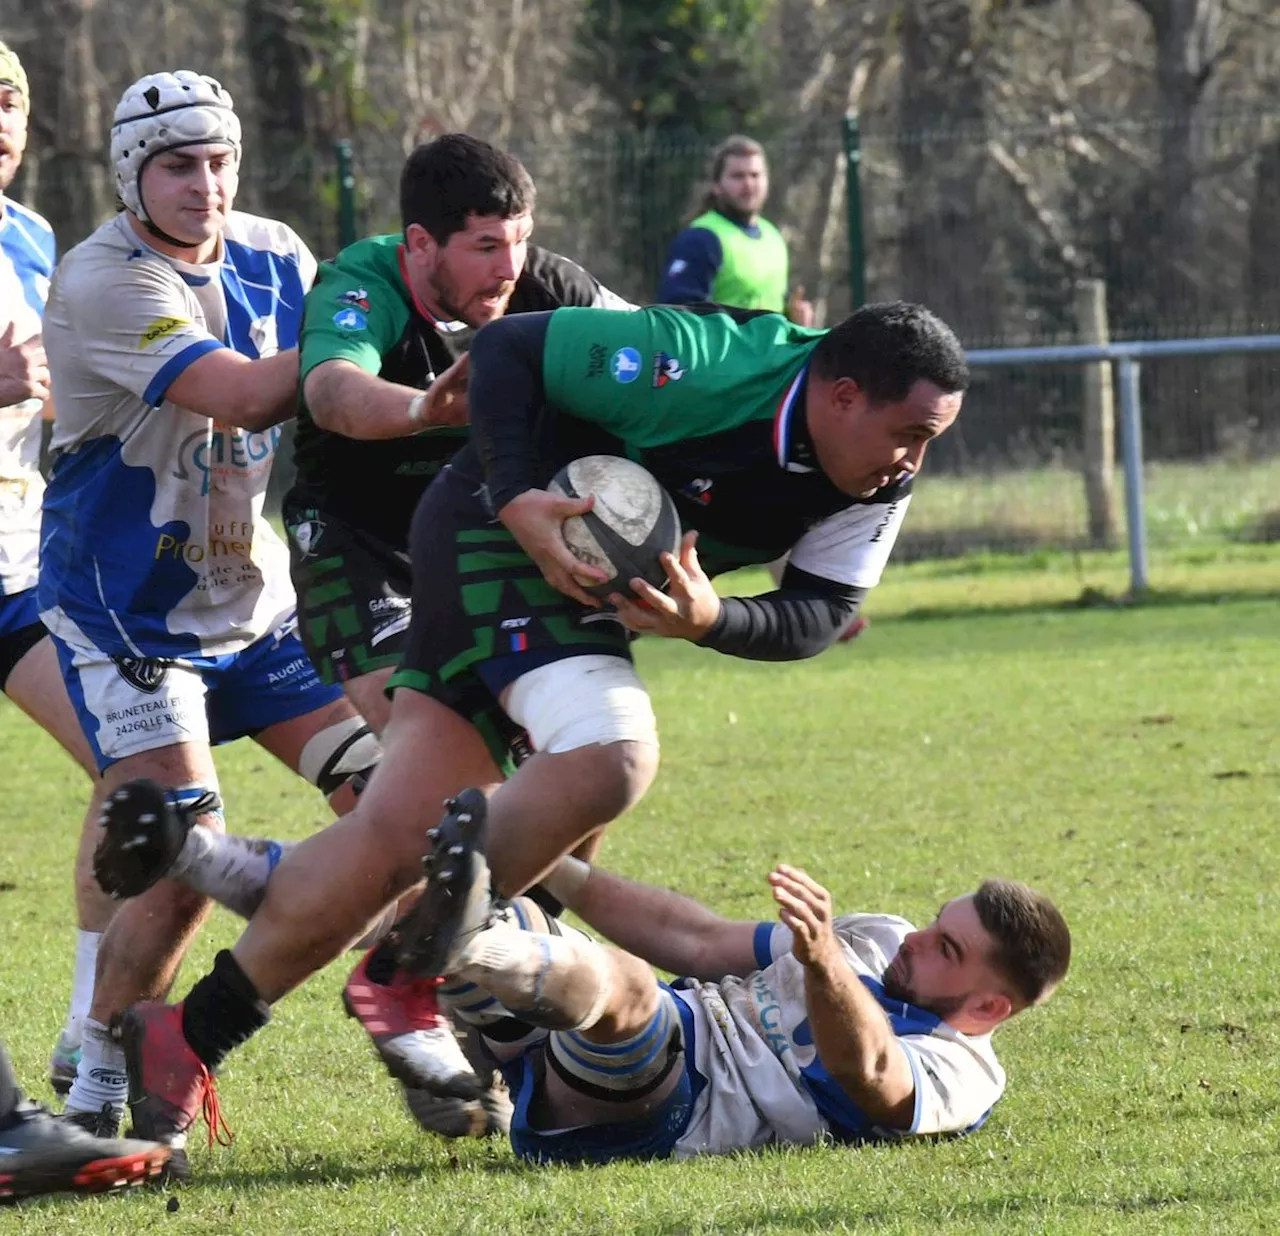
(857, 1026)
(770, 439)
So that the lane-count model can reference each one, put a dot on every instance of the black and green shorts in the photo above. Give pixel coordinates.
(353, 591)
(482, 613)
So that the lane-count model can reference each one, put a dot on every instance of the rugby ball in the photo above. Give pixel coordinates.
(633, 521)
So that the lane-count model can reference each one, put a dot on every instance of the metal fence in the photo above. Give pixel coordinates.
(996, 228)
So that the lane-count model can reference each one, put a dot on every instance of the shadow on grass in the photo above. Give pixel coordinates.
(332, 1171)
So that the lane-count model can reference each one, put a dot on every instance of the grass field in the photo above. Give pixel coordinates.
(1206, 502)
(1124, 758)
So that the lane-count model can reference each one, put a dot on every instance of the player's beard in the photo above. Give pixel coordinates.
(448, 297)
(900, 988)
(10, 162)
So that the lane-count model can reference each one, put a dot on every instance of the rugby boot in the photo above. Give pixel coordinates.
(169, 1085)
(410, 1033)
(487, 1116)
(457, 902)
(41, 1154)
(142, 835)
(63, 1065)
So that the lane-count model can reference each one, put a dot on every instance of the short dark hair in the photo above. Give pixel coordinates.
(1032, 940)
(451, 177)
(886, 348)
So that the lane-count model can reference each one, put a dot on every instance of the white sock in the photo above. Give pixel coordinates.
(561, 982)
(101, 1080)
(81, 986)
(234, 871)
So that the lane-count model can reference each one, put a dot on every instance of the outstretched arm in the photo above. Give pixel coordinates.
(664, 928)
(852, 1035)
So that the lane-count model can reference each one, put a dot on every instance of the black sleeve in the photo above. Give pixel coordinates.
(801, 619)
(550, 280)
(505, 394)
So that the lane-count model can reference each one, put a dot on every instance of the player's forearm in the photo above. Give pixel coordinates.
(856, 1044)
(506, 394)
(663, 927)
(795, 622)
(343, 399)
(235, 390)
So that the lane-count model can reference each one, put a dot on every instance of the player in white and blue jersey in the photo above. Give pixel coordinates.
(29, 673)
(171, 334)
(856, 1028)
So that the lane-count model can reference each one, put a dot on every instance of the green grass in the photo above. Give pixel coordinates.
(1187, 504)
(1122, 757)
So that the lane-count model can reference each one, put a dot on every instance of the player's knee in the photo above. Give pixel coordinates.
(627, 770)
(634, 995)
(344, 753)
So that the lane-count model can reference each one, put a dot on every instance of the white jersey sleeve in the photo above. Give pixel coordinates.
(150, 336)
(154, 542)
(852, 546)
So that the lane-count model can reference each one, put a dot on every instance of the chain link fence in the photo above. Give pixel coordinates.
(997, 229)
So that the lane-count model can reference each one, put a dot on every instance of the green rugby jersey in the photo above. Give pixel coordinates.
(712, 403)
(362, 310)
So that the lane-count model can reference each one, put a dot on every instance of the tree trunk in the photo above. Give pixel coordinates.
(67, 116)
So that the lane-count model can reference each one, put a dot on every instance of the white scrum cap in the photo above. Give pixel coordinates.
(166, 111)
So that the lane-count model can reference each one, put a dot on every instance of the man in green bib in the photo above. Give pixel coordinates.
(730, 253)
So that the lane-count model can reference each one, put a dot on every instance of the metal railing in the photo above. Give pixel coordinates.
(1128, 358)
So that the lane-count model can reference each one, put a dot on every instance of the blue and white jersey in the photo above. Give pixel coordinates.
(154, 543)
(753, 1044)
(27, 255)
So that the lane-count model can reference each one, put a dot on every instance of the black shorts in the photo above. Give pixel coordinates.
(482, 613)
(353, 591)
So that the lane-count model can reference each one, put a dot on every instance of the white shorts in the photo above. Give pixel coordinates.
(128, 705)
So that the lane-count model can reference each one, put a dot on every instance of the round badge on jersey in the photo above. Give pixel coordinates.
(624, 365)
(350, 320)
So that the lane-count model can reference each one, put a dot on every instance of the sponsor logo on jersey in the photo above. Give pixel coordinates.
(357, 298)
(699, 489)
(677, 266)
(158, 329)
(597, 354)
(380, 605)
(225, 453)
(350, 320)
(624, 365)
(234, 539)
(514, 624)
(883, 526)
(143, 673)
(666, 369)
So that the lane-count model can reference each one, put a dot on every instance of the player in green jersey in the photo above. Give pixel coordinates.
(770, 437)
